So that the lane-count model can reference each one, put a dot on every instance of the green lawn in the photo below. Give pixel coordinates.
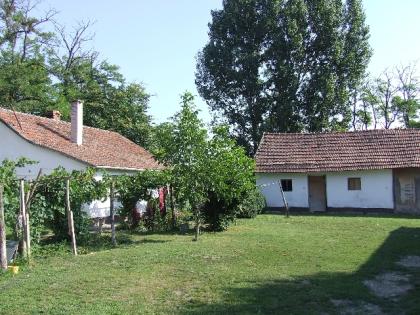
(269, 265)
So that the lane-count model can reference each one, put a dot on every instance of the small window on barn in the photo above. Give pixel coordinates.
(354, 183)
(286, 184)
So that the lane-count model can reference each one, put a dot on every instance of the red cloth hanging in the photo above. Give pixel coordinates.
(163, 191)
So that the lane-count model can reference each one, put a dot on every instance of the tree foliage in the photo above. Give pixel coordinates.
(44, 70)
(210, 173)
(139, 186)
(282, 65)
(390, 100)
(48, 208)
(10, 181)
(231, 179)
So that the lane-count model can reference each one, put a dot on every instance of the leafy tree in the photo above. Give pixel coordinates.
(381, 97)
(212, 175)
(10, 182)
(393, 98)
(24, 48)
(110, 103)
(408, 100)
(230, 179)
(228, 69)
(42, 71)
(135, 187)
(161, 142)
(283, 65)
(188, 159)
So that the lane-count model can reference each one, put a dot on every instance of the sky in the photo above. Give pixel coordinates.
(156, 42)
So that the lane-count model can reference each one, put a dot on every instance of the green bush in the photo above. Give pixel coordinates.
(218, 213)
(251, 205)
(48, 209)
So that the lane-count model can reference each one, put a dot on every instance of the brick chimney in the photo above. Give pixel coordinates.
(77, 122)
(54, 114)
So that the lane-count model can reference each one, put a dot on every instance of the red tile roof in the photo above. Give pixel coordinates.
(338, 151)
(100, 148)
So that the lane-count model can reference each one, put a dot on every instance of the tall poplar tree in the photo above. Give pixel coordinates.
(283, 65)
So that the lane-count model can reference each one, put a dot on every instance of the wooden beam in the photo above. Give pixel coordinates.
(3, 253)
(284, 199)
(112, 213)
(26, 243)
(171, 196)
(31, 192)
(70, 219)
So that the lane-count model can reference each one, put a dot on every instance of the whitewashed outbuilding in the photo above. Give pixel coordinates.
(52, 142)
(374, 170)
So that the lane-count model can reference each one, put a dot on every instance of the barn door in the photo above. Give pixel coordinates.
(317, 193)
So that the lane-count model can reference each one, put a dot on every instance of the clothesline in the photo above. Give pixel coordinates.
(268, 184)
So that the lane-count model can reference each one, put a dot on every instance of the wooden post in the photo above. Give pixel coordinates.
(197, 224)
(171, 196)
(31, 191)
(28, 237)
(3, 250)
(112, 213)
(70, 218)
(284, 199)
(26, 247)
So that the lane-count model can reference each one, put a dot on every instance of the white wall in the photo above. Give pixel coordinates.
(376, 192)
(13, 147)
(298, 197)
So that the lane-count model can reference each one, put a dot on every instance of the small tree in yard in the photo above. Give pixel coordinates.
(188, 157)
(213, 176)
(231, 179)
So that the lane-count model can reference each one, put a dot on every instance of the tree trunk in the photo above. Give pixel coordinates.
(3, 253)
(197, 224)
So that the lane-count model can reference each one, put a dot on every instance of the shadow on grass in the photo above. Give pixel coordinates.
(314, 294)
(93, 243)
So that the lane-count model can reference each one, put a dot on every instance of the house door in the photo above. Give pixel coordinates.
(317, 194)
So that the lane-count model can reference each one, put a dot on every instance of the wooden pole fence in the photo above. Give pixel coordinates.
(70, 219)
(171, 195)
(3, 250)
(112, 213)
(286, 206)
(26, 238)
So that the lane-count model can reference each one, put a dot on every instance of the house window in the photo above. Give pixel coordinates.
(286, 184)
(354, 183)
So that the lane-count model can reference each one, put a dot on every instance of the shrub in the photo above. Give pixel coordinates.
(251, 205)
(48, 208)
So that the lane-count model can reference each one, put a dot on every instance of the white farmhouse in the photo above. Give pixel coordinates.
(53, 143)
(374, 170)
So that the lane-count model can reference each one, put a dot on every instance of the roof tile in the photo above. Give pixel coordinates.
(100, 148)
(338, 151)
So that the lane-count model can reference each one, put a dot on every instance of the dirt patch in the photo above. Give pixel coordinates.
(389, 284)
(348, 307)
(410, 262)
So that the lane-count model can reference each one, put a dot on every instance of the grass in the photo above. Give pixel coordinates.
(269, 265)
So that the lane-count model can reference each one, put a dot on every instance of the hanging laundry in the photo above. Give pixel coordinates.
(163, 191)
